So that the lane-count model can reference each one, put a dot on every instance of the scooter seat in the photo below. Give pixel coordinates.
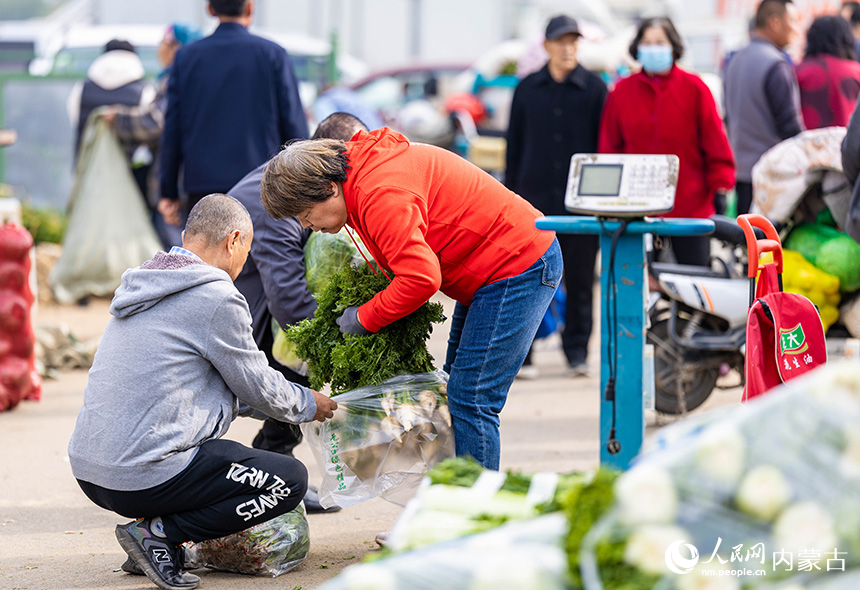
(658, 268)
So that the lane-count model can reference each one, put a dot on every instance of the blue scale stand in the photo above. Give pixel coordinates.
(631, 321)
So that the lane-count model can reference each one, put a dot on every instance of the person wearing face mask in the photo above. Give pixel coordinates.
(666, 110)
(762, 94)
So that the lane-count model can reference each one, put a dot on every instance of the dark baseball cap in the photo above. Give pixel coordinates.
(561, 25)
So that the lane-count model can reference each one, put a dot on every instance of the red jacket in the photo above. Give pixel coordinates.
(672, 114)
(829, 87)
(436, 221)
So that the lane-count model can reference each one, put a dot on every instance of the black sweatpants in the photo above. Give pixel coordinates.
(226, 488)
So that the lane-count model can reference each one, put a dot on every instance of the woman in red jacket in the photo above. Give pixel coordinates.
(666, 110)
(437, 223)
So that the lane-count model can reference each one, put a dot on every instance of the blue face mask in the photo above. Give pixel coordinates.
(656, 59)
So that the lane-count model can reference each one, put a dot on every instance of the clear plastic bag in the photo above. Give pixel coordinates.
(325, 254)
(763, 495)
(382, 439)
(516, 556)
(270, 548)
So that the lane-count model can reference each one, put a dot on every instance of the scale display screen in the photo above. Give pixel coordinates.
(600, 180)
(621, 185)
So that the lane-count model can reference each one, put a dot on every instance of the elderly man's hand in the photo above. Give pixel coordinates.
(325, 406)
(349, 324)
(169, 209)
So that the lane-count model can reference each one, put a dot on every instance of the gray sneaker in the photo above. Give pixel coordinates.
(579, 370)
(154, 554)
(130, 567)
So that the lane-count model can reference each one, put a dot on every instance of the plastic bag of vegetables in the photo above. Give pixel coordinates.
(270, 548)
(459, 497)
(763, 496)
(517, 556)
(325, 254)
(382, 439)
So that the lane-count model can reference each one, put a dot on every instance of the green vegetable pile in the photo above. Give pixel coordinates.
(349, 362)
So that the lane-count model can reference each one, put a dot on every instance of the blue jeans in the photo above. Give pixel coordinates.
(487, 344)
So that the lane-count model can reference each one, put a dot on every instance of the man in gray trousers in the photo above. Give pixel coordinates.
(176, 364)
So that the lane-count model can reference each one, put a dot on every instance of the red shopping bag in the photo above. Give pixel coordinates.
(785, 336)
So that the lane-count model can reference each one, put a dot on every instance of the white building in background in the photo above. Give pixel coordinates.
(385, 33)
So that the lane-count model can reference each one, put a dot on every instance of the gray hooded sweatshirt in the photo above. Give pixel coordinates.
(172, 366)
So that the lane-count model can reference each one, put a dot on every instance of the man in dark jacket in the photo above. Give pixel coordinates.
(273, 283)
(232, 102)
(555, 113)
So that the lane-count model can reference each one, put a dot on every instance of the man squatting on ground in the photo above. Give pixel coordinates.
(176, 364)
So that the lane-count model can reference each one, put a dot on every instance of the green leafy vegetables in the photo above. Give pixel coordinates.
(348, 362)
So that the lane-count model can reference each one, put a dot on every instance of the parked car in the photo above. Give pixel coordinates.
(74, 53)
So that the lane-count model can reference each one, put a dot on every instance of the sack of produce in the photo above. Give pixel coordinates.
(270, 548)
(763, 495)
(802, 277)
(382, 439)
(392, 423)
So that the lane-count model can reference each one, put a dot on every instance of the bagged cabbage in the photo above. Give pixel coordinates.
(517, 556)
(270, 548)
(459, 497)
(382, 439)
(764, 495)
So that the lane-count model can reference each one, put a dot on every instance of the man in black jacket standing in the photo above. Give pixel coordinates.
(555, 113)
(273, 283)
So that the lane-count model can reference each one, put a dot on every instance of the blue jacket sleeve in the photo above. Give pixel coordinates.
(294, 124)
(170, 153)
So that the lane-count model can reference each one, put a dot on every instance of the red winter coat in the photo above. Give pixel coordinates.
(829, 87)
(673, 113)
(436, 221)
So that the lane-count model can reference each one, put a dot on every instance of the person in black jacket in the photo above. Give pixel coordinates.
(273, 283)
(232, 102)
(555, 113)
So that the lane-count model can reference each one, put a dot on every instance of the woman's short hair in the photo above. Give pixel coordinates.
(664, 23)
(830, 35)
(300, 176)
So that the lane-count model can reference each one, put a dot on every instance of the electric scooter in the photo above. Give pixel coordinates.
(698, 323)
